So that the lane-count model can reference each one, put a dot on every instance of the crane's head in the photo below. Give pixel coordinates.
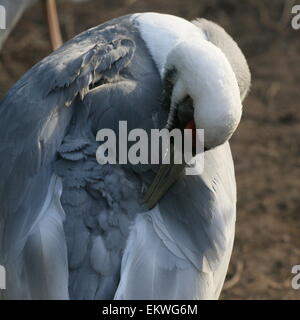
(206, 80)
(213, 75)
(203, 75)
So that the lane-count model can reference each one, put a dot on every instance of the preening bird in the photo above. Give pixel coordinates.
(72, 228)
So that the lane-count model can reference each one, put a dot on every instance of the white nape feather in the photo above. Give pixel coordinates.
(161, 33)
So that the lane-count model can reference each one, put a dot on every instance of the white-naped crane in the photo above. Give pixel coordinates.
(72, 228)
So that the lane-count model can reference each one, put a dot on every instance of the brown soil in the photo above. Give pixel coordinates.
(266, 146)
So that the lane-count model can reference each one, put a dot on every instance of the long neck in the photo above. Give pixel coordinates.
(161, 33)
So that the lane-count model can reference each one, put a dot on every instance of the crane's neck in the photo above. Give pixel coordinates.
(161, 33)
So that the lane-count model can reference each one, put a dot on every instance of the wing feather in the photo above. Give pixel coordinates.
(34, 119)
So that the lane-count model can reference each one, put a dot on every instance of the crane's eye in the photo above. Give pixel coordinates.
(180, 114)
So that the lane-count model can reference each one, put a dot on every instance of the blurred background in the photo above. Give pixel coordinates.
(265, 147)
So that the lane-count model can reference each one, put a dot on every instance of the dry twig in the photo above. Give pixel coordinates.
(53, 22)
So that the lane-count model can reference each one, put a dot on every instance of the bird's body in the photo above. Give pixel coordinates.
(72, 228)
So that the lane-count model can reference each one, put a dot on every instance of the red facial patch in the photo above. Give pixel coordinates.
(192, 125)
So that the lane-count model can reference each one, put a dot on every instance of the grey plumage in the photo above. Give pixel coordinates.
(48, 124)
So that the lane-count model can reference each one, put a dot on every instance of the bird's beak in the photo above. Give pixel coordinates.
(168, 173)
(164, 179)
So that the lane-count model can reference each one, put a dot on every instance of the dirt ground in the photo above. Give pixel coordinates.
(266, 146)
